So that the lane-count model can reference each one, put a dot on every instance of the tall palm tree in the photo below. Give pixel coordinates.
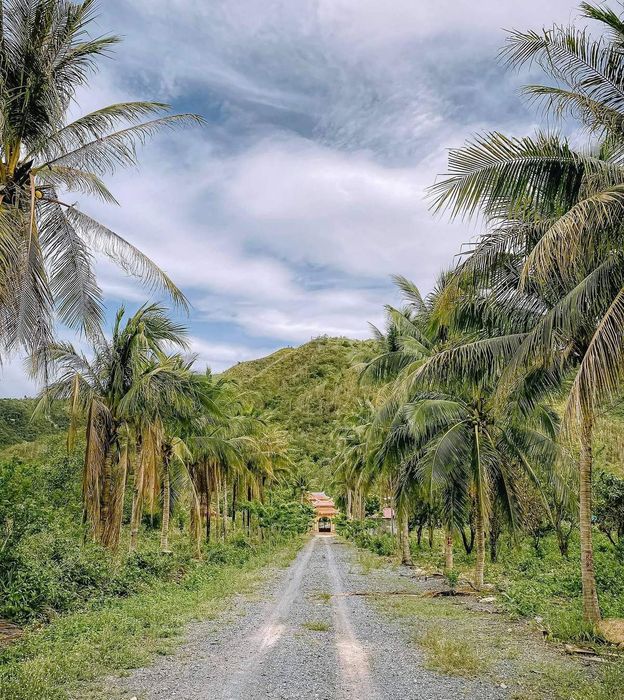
(127, 377)
(233, 451)
(413, 333)
(455, 441)
(47, 53)
(574, 201)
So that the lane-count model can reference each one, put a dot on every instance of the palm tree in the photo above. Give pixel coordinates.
(575, 200)
(46, 243)
(160, 430)
(231, 448)
(413, 334)
(453, 440)
(127, 378)
(353, 472)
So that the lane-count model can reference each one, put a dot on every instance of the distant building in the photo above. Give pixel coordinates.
(325, 511)
(388, 518)
(385, 520)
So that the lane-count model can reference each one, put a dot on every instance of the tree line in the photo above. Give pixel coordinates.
(158, 432)
(531, 318)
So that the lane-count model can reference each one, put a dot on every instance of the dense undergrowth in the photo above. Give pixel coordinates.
(46, 567)
(87, 611)
(66, 657)
(17, 423)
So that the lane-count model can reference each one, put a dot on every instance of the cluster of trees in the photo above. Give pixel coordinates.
(153, 424)
(532, 316)
(153, 420)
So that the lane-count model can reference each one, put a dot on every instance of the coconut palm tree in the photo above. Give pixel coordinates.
(454, 441)
(412, 334)
(47, 54)
(128, 377)
(576, 199)
(233, 451)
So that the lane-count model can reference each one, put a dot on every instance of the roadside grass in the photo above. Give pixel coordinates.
(317, 626)
(368, 561)
(451, 655)
(533, 580)
(548, 682)
(65, 658)
(458, 639)
(323, 597)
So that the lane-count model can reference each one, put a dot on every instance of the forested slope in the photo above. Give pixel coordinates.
(309, 391)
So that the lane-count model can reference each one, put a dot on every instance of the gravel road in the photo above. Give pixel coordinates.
(309, 637)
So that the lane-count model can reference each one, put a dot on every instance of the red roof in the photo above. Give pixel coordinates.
(322, 503)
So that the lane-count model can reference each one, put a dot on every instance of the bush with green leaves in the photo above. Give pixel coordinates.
(609, 506)
(365, 534)
(292, 517)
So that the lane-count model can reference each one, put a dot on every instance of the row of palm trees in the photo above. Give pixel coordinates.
(153, 421)
(533, 313)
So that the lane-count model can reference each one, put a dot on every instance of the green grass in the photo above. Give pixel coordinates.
(323, 597)
(66, 658)
(457, 640)
(368, 561)
(462, 642)
(317, 626)
(541, 583)
(451, 655)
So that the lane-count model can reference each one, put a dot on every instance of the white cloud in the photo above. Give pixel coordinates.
(220, 356)
(327, 119)
(14, 382)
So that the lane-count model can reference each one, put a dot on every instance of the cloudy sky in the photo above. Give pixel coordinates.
(283, 218)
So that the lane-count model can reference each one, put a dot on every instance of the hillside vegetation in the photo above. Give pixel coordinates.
(308, 391)
(17, 423)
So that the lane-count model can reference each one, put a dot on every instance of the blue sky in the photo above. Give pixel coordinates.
(283, 218)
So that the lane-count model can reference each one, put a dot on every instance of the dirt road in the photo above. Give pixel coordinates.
(308, 637)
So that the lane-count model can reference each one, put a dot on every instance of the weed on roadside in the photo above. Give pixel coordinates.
(317, 626)
(451, 655)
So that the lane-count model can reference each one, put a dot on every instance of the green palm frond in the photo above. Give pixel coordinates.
(596, 216)
(106, 153)
(502, 176)
(600, 371)
(590, 66)
(127, 256)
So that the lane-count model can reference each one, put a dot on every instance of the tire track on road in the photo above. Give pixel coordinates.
(354, 667)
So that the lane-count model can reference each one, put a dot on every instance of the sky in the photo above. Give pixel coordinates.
(284, 216)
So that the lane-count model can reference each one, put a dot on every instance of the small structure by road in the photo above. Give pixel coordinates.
(325, 511)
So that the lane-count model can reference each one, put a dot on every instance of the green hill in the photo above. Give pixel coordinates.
(308, 391)
(18, 425)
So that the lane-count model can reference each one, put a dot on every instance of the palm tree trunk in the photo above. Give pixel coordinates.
(137, 503)
(225, 506)
(480, 544)
(166, 508)
(468, 543)
(448, 549)
(105, 500)
(195, 525)
(591, 609)
(92, 478)
(117, 499)
(406, 554)
(218, 510)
